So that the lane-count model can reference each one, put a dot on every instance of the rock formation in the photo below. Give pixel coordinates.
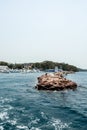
(54, 81)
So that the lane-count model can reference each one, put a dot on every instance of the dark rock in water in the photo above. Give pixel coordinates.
(55, 81)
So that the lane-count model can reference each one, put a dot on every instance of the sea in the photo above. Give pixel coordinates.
(22, 107)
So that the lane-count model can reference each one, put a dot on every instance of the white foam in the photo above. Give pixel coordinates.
(35, 121)
(1, 128)
(58, 124)
(43, 115)
(4, 100)
(13, 122)
(33, 128)
(32, 123)
(22, 127)
(4, 115)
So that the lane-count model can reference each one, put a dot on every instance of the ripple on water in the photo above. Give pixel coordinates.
(4, 100)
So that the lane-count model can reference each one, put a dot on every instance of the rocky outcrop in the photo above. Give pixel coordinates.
(54, 81)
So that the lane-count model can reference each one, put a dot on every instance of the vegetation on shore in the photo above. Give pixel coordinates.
(41, 65)
(51, 65)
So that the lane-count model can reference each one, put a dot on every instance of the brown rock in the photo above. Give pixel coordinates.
(54, 81)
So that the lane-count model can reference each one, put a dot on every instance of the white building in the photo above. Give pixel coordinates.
(4, 69)
(56, 69)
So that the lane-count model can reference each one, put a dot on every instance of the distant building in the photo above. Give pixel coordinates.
(56, 69)
(4, 68)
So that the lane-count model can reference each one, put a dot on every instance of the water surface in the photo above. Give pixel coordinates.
(22, 107)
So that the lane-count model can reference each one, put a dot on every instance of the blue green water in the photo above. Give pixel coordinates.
(22, 107)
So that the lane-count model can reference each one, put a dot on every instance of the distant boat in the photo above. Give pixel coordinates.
(50, 70)
(30, 71)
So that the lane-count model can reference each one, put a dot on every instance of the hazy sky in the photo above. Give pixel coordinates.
(38, 30)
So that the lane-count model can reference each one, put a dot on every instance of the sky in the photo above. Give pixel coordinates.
(39, 30)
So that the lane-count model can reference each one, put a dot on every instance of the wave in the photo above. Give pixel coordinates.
(4, 115)
(1, 128)
(44, 122)
(22, 127)
(82, 86)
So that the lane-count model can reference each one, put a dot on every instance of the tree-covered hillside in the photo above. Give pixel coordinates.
(41, 65)
(51, 65)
